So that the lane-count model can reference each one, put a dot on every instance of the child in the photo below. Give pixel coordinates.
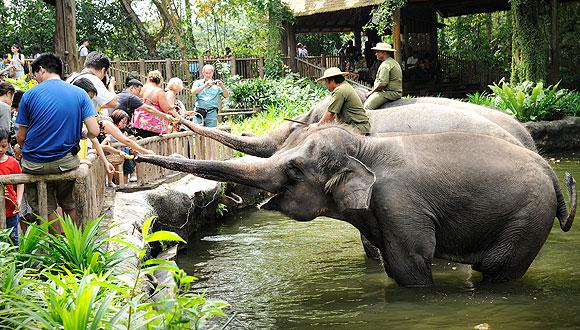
(9, 165)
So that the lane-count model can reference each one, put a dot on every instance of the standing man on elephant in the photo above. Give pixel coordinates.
(388, 85)
(345, 105)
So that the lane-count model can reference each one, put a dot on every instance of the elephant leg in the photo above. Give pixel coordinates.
(408, 253)
(514, 250)
(370, 250)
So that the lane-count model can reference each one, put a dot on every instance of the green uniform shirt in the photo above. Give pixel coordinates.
(390, 75)
(348, 108)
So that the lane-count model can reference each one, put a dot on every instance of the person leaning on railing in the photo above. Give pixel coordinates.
(145, 123)
(50, 118)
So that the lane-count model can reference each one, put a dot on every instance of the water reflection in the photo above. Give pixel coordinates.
(278, 273)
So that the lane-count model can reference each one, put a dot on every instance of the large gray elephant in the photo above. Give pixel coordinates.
(382, 121)
(465, 197)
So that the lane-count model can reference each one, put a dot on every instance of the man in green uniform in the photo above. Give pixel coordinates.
(388, 85)
(345, 105)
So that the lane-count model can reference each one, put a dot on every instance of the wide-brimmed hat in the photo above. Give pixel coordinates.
(331, 72)
(384, 47)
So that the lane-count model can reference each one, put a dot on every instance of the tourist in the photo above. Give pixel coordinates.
(95, 69)
(345, 105)
(129, 99)
(301, 50)
(145, 123)
(7, 92)
(388, 85)
(207, 97)
(12, 199)
(121, 120)
(83, 51)
(5, 66)
(50, 118)
(18, 62)
(228, 53)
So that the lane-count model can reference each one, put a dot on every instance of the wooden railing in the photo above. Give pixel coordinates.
(89, 191)
(90, 176)
(186, 143)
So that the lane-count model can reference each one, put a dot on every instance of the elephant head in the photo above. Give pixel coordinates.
(319, 176)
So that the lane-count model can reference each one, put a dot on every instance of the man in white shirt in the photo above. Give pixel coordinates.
(84, 50)
(96, 67)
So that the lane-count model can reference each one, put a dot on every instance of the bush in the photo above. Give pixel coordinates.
(530, 102)
(276, 99)
(71, 282)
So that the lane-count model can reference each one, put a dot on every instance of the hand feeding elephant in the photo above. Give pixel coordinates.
(381, 121)
(466, 197)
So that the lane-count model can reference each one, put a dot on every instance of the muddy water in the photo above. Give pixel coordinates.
(281, 274)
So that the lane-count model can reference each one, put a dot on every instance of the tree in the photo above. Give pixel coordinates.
(529, 43)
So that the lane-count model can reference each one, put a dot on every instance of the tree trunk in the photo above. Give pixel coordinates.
(529, 51)
(554, 43)
(65, 37)
(149, 40)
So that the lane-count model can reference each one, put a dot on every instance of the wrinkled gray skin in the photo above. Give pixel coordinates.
(424, 121)
(465, 197)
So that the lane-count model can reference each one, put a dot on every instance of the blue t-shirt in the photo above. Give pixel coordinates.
(208, 98)
(53, 112)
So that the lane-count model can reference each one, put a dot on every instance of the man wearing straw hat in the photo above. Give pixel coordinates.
(388, 85)
(345, 105)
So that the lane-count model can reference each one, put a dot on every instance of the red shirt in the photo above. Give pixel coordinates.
(10, 166)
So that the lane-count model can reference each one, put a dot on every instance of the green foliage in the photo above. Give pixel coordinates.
(61, 288)
(327, 43)
(528, 101)
(383, 16)
(285, 97)
(21, 83)
(221, 209)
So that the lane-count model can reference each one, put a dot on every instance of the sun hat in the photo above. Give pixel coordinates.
(384, 47)
(331, 72)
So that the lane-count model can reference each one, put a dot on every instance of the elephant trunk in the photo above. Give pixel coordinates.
(261, 174)
(255, 146)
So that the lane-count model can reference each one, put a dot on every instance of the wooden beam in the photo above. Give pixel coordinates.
(397, 36)
(65, 37)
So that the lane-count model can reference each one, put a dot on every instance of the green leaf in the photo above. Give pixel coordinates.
(147, 226)
(164, 236)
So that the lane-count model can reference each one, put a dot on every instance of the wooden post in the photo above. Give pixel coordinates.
(168, 74)
(117, 72)
(261, 66)
(2, 207)
(323, 61)
(142, 68)
(42, 200)
(554, 43)
(292, 47)
(200, 61)
(233, 66)
(65, 36)
(397, 35)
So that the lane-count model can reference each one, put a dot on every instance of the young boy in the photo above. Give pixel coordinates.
(12, 199)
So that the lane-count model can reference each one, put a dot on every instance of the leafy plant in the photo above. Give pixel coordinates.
(22, 84)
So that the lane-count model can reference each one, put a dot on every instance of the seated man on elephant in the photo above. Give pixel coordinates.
(345, 105)
(388, 85)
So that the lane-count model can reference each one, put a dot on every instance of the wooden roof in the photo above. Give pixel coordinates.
(312, 7)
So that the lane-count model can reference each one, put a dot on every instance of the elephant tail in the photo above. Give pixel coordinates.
(564, 216)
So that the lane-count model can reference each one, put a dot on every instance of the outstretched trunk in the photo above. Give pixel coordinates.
(263, 174)
(264, 146)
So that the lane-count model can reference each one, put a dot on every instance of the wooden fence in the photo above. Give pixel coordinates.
(90, 176)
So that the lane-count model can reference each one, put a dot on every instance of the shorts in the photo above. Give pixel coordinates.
(59, 193)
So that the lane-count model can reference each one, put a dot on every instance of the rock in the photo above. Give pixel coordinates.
(483, 326)
(555, 137)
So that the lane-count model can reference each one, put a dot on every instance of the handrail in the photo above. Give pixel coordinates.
(90, 176)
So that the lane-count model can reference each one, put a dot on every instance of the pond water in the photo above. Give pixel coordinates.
(281, 274)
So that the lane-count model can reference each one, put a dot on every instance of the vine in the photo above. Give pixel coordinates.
(382, 16)
(277, 13)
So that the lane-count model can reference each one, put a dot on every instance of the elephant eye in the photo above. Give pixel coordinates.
(294, 172)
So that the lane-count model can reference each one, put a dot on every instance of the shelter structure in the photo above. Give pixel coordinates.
(414, 34)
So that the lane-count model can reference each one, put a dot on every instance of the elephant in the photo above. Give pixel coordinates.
(382, 120)
(460, 196)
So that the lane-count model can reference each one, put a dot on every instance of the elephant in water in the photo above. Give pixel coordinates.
(382, 121)
(460, 196)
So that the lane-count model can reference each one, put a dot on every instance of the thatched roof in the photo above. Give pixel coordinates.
(311, 7)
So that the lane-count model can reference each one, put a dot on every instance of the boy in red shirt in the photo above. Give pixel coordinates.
(9, 165)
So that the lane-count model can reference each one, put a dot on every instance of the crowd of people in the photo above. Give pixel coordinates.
(50, 128)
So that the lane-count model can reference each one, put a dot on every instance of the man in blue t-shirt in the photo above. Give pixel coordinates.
(50, 119)
(207, 96)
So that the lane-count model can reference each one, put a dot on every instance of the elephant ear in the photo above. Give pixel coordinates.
(351, 187)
